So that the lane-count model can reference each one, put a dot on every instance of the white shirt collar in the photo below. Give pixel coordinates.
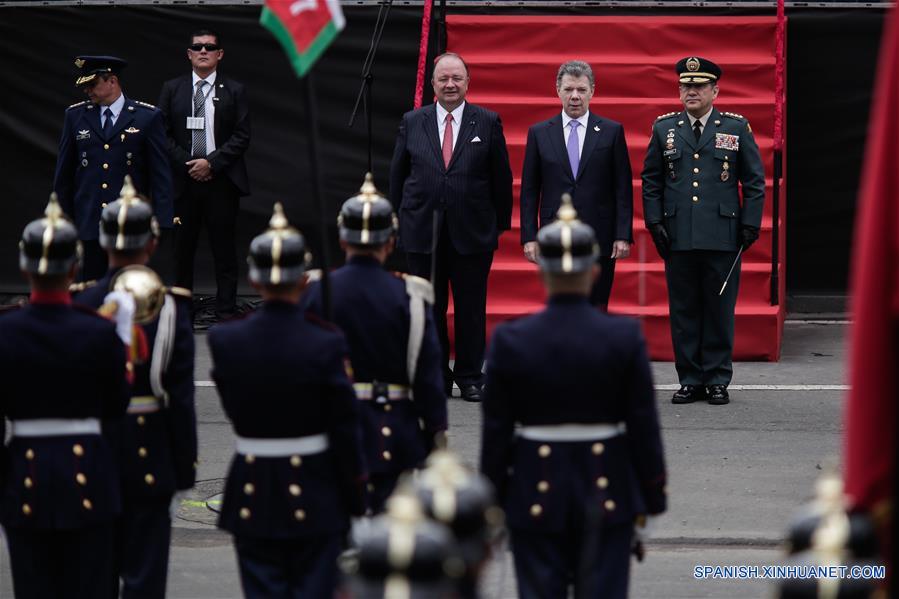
(115, 107)
(457, 113)
(210, 79)
(583, 120)
(703, 119)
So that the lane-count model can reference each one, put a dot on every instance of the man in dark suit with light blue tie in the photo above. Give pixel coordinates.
(585, 155)
(451, 159)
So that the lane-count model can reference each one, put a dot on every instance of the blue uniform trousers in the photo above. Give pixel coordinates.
(143, 533)
(63, 564)
(596, 560)
(298, 568)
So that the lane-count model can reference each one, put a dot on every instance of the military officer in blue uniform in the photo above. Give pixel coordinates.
(695, 165)
(103, 139)
(394, 350)
(64, 370)
(571, 435)
(156, 443)
(298, 473)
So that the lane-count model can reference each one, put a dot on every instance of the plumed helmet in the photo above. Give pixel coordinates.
(567, 245)
(278, 255)
(49, 245)
(367, 218)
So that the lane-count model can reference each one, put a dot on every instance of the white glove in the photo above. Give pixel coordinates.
(644, 532)
(124, 313)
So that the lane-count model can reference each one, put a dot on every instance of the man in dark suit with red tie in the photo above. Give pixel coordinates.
(585, 155)
(207, 119)
(451, 159)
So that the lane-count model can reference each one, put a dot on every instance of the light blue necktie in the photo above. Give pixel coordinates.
(573, 157)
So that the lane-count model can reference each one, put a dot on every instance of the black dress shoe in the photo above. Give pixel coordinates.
(688, 394)
(470, 393)
(718, 395)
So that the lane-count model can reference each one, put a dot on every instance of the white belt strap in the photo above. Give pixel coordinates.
(163, 347)
(279, 448)
(420, 292)
(572, 432)
(55, 427)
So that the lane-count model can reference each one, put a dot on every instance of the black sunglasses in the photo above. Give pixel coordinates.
(208, 47)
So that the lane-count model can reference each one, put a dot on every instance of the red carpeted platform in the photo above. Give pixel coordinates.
(513, 62)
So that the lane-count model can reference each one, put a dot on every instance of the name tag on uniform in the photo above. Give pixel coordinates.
(196, 122)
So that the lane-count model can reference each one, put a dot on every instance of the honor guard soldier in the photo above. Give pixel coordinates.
(695, 165)
(394, 350)
(103, 139)
(64, 370)
(571, 435)
(298, 473)
(156, 443)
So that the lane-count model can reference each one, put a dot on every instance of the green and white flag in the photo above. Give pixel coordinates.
(304, 28)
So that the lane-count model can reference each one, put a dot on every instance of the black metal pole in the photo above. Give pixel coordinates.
(441, 28)
(364, 96)
(324, 253)
(775, 228)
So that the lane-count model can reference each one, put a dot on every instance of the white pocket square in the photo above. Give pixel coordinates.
(476, 140)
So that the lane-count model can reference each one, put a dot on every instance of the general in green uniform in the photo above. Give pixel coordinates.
(695, 165)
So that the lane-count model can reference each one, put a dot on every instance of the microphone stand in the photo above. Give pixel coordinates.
(364, 96)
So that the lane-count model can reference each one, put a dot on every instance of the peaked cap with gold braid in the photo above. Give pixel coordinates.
(278, 256)
(567, 245)
(697, 70)
(367, 218)
(127, 223)
(49, 245)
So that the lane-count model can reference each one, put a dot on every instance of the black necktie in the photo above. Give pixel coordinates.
(697, 129)
(107, 125)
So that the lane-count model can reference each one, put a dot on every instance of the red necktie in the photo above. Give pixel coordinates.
(448, 140)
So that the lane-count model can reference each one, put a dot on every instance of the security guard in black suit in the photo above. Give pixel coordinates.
(691, 205)
(298, 473)
(396, 357)
(64, 370)
(103, 139)
(571, 436)
(156, 443)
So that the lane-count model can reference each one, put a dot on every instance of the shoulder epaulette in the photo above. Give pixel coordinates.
(181, 292)
(734, 115)
(667, 115)
(144, 104)
(79, 287)
(77, 104)
(316, 319)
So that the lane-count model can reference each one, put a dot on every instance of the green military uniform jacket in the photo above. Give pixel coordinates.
(691, 187)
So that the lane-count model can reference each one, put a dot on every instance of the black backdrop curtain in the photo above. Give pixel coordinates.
(831, 62)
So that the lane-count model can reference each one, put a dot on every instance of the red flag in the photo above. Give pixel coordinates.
(870, 435)
(304, 28)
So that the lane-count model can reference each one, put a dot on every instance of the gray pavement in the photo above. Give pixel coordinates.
(737, 473)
